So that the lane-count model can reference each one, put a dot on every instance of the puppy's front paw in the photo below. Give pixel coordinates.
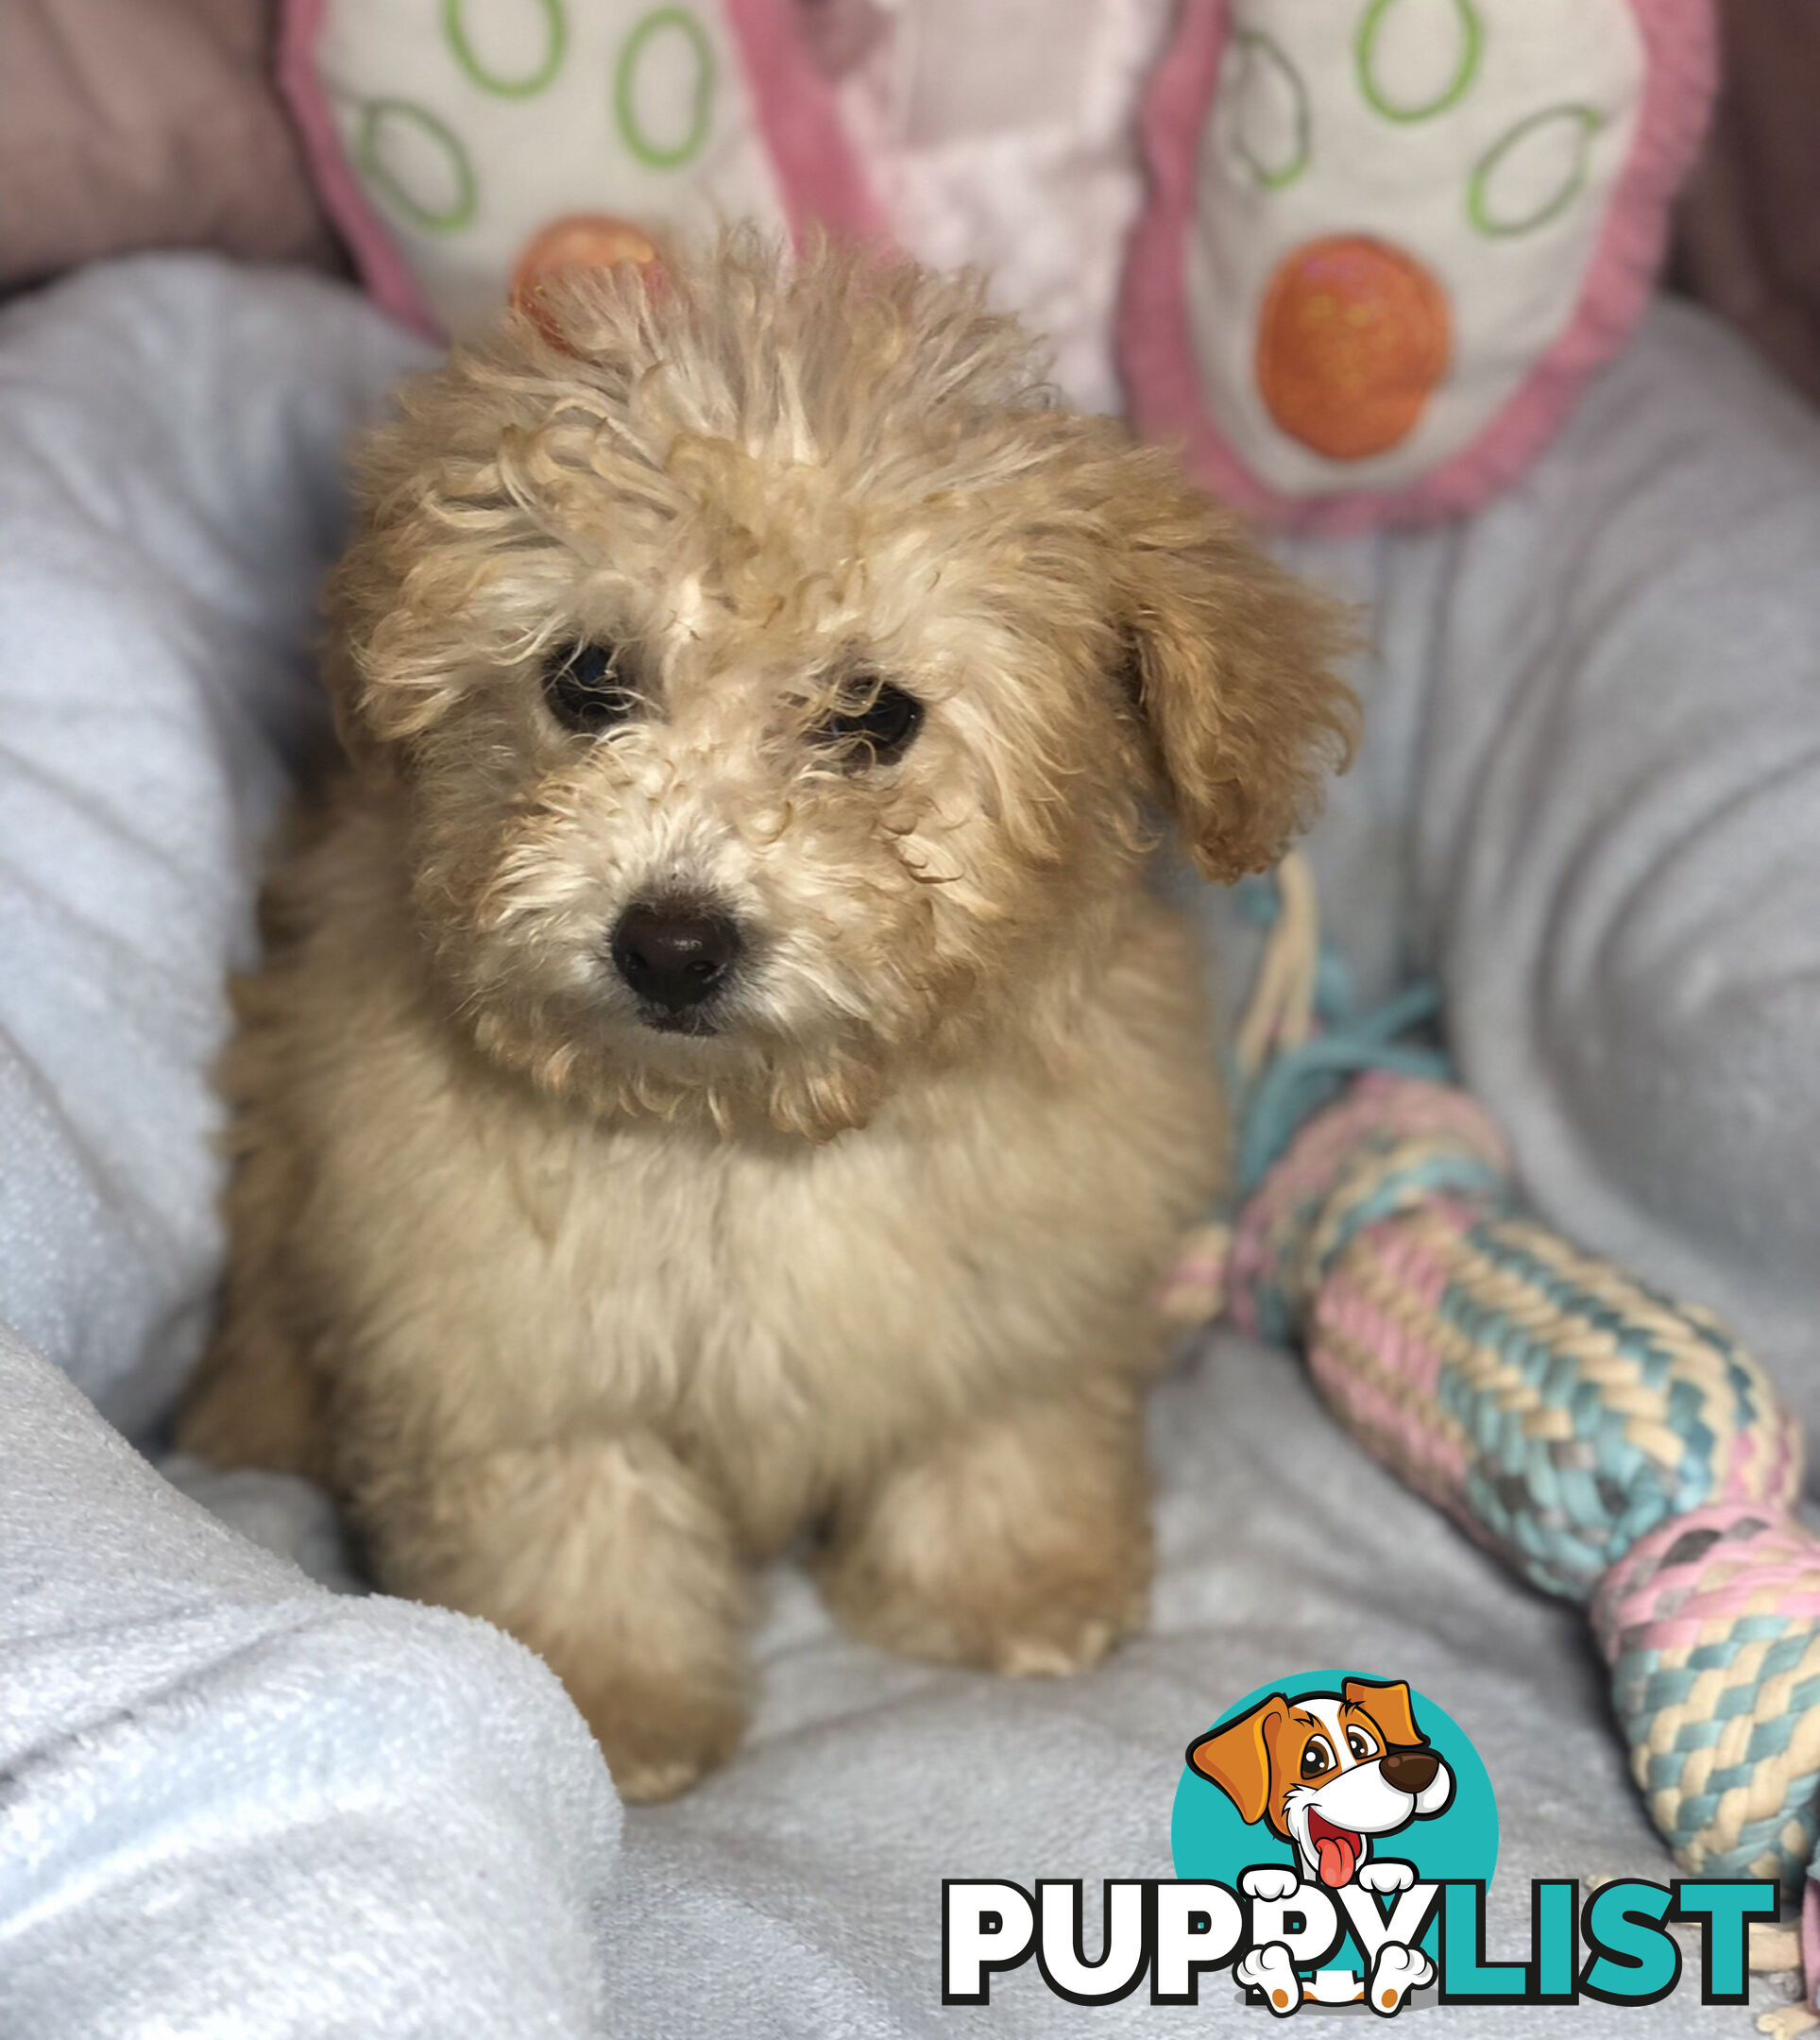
(658, 1739)
(1397, 1971)
(1050, 1642)
(1270, 1970)
(1040, 1624)
(1269, 1882)
(1023, 1546)
(1387, 1877)
(609, 1559)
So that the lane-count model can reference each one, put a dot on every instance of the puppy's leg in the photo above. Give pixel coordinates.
(612, 1562)
(256, 1399)
(255, 1402)
(1021, 1543)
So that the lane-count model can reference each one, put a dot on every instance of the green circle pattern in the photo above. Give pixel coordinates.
(1257, 47)
(374, 116)
(555, 47)
(1591, 120)
(1364, 54)
(654, 155)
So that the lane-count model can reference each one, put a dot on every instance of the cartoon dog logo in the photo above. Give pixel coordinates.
(1332, 1774)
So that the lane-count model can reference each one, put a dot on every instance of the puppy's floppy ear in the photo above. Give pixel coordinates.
(1388, 1705)
(357, 594)
(1238, 1756)
(341, 677)
(1232, 662)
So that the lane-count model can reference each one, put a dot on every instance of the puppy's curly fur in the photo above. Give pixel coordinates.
(581, 1312)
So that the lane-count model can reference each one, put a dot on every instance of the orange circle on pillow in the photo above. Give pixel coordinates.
(1353, 337)
(580, 240)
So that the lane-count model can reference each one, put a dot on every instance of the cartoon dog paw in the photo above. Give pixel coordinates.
(1269, 1881)
(1270, 1970)
(1385, 1878)
(1397, 1971)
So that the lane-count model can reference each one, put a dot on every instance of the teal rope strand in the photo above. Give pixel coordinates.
(1297, 1082)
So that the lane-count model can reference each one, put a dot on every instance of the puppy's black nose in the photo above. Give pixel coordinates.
(1411, 1770)
(674, 956)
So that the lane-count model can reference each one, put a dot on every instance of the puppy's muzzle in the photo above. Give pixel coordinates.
(1411, 1770)
(675, 956)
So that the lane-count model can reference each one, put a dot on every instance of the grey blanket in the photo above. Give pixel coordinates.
(1590, 801)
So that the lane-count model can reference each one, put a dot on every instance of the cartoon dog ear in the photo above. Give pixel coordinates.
(1387, 1702)
(1238, 1756)
(1231, 659)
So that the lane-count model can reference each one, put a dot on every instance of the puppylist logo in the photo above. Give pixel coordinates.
(1339, 1779)
(1334, 1837)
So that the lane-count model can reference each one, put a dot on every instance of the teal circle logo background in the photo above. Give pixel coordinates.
(1207, 1838)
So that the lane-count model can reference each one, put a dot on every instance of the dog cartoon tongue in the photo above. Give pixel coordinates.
(1336, 1849)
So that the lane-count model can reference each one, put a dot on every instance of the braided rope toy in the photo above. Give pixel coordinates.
(1614, 1447)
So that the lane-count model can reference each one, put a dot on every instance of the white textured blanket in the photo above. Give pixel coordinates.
(232, 1803)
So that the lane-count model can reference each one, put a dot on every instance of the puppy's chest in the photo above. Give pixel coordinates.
(759, 1295)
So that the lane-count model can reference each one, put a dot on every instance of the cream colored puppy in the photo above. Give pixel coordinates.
(718, 1068)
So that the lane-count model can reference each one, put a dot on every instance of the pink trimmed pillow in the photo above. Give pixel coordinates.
(138, 123)
(1388, 240)
(447, 136)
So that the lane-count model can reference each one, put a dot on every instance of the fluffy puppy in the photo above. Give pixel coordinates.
(718, 1070)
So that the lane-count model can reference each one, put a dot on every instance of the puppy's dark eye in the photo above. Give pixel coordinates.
(1316, 1757)
(582, 685)
(875, 722)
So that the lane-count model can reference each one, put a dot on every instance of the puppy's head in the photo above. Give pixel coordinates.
(1328, 1772)
(775, 682)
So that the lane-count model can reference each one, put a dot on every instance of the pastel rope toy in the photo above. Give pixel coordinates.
(1613, 1447)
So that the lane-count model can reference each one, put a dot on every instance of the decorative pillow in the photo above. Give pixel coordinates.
(451, 137)
(1748, 243)
(1388, 240)
(133, 124)
(1003, 133)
